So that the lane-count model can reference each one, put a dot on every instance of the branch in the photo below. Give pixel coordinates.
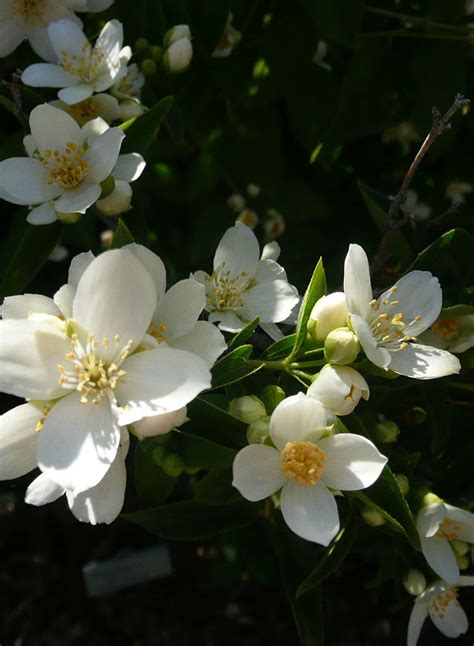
(14, 87)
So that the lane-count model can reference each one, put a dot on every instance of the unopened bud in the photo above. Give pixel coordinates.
(386, 431)
(156, 53)
(118, 201)
(341, 346)
(149, 67)
(248, 217)
(178, 56)
(68, 218)
(373, 517)
(236, 202)
(107, 187)
(130, 109)
(403, 483)
(253, 190)
(416, 415)
(430, 498)
(271, 251)
(247, 408)
(173, 465)
(339, 389)
(463, 562)
(159, 454)
(106, 238)
(329, 313)
(271, 396)
(141, 44)
(160, 424)
(176, 33)
(460, 547)
(259, 430)
(414, 582)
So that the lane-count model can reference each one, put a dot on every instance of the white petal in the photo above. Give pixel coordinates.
(94, 128)
(269, 270)
(41, 45)
(271, 251)
(64, 298)
(228, 321)
(466, 581)
(310, 511)
(33, 187)
(18, 441)
(20, 307)
(452, 622)
(42, 491)
(357, 285)
(180, 308)
(43, 214)
(78, 266)
(272, 301)
(103, 153)
(352, 462)
(429, 519)
(67, 36)
(129, 167)
(75, 94)
(109, 43)
(11, 35)
(115, 296)
(417, 619)
(104, 502)
(272, 330)
(153, 264)
(238, 250)
(295, 418)
(107, 107)
(464, 522)
(46, 75)
(256, 472)
(205, 340)
(79, 199)
(53, 128)
(30, 352)
(160, 424)
(78, 442)
(339, 388)
(379, 356)
(423, 362)
(441, 558)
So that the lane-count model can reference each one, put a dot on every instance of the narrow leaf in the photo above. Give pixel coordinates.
(141, 131)
(316, 289)
(122, 236)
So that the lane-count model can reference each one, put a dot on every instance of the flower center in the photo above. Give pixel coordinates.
(84, 66)
(88, 373)
(69, 169)
(31, 11)
(226, 292)
(389, 326)
(157, 332)
(83, 111)
(447, 328)
(448, 529)
(302, 462)
(441, 601)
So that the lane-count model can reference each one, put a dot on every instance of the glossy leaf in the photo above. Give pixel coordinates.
(316, 289)
(205, 454)
(122, 236)
(141, 131)
(153, 485)
(233, 367)
(215, 488)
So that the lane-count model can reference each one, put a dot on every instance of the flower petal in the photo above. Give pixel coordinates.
(21, 307)
(109, 44)
(11, 35)
(160, 424)
(429, 519)
(75, 93)
(153, 264)
(129, 167)
(42, 491)
(295, 418)
(159, 381)
(47, 75)
(272, 330)
(357, 285)
(464, 522)
(441, 558)
(272, 301)
(228, 321)
(78, 266)
(103, 153)
(78, 442)
(415, 624)
(423, 362)
(33, 187)
(79, 199)
(339, 389)
(238, 251)
(67, 36)
(180, 308)
(269, 270)
(30, 352)
(379, 356)
(115, 296)
(310, 511)
(18, 441)
(452, 621)
(257, 473)
(52, 128)
(205, 340)
(43, 214)
(352, 462)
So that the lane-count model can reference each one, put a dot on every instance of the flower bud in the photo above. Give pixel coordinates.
(149, 67)
(341, 346)
(159, 454)
(339, 389)
(141, 44)
(414, 582)
(271, 251)
(107, 187)
(253, 190)
(236, 202)
(156, 52)
(118, 201)
(460, 548)
(178, 56)
(248, 217)
(403, 483)
(430, 498)
(271, 396)
(68, 218)
(176, 33)
(259, 430)
(463, 562)
(58, 254)
(173, 465)
(372, 517)
(130, 109)
(386, 431)
(329, 313)
(416, 415)
(160, 424)
(247, 408)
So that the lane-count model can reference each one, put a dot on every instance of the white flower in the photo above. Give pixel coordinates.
(329, 313)
(339, 389)
(81, 69)
(305, 465)
(387, 327)
(441, 604)
(178, 56)
(455, 334)
(100, 105)
(242, 286)
(437, 525)
(65, 169)
(413, 207)
(130, 85)
(229, 39)
(84, 358)
(160, 424)
(320, 56)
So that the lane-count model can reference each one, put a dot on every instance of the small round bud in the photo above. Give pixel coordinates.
(403, 483)
(430, 498)
(149, 67)
(253, 190)
(173, 464)
(107, 187)
(118, 201)
(130, 109)
(156, 53)
(58, 254)
(372, 517)
(178, 56)
(339, 389)
(236, 202)
(247, 408)
(271, 396)
(386, 431)
(68, 218)
(329, 313)
(249, 218)
(106, 238)
(141, 44)
(463, 562)
(341, 346)
(414, 582)
(416, 415)
(460, 548)
(159, 454)
(259, 430)
(176, 33)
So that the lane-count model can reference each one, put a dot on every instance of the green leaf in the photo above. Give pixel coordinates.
(373, 200)
(233, 367)
(141, 131)
(280, 349)
(456, 311)
(332, 559)
(215, 424)
(205, 454)
(188, 520)
(244, 334)
(215, 488)
(151, 482)
(30, 255)
(122, 236)
(316, 289)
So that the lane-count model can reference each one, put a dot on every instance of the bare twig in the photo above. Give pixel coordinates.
(436, 222)
(416, 20)
(14, 87)
(440, 123)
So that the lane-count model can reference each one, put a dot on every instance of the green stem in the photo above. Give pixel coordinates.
(307, 364)
(268, 365)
